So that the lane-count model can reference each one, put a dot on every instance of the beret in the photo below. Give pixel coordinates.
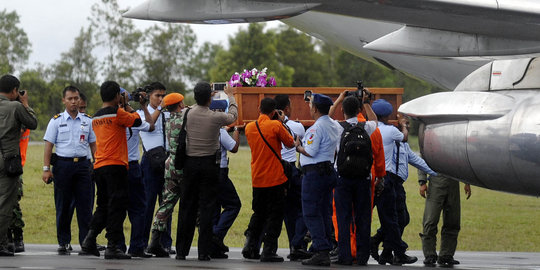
(173, 98)
(382, 107)
(122, 90)
(321, 99)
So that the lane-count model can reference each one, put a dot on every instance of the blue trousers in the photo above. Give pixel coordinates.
(294, 222)
(317, 207)
(403, 217)
(388, 216)
(136, 208)
(230, 202)
(73, 186)
(153, 183)
(353, 202)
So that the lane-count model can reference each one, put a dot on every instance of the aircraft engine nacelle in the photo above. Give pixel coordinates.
(486, 132)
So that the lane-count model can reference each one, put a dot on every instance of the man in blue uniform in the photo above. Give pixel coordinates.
(72, 135)
(153, 173)
(404, 156)
(387, 201)
(317, 154)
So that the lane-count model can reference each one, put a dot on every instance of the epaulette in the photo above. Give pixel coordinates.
(87, 115)
(56, 116)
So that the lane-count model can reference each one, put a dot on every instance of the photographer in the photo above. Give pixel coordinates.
(268, 178)
(201, 170)
(137, 198)
(153, 161)
(14, 115)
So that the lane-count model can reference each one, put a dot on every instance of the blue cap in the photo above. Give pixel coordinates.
(122, 90)
(218, 104)
(382, 107)
(322, 99)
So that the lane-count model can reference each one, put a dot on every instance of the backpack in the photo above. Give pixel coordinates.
(354, 158)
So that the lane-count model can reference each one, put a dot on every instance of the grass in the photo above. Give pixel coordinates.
(491, 221)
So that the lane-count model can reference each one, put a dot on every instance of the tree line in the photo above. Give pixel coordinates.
(169, 53)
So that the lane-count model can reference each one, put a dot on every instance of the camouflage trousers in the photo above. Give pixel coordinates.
(16, 220)
(171, 194)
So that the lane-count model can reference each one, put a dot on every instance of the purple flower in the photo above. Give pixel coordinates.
(271, 81)
(246, 75)
(261, 82)
(235, 80)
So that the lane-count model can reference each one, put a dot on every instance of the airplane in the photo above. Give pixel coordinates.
(486, 132)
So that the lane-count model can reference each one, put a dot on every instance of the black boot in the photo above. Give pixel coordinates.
(155, 246)
(299, 254)
(320, 258)
(269, 252)
(113, 252)
(249, 251)
(89, 245)
(18, 240)
(404, 259)
(10, 246)
(386, 257)
(374, 243)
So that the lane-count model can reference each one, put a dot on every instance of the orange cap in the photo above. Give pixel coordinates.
(173, 98)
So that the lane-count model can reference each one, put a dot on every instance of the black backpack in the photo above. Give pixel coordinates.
(354, 158)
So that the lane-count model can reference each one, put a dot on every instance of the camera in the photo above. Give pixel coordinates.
(277, 115)
(218, 86)
(137, 96)
(307, 95)
(22, 92)
(360, 92)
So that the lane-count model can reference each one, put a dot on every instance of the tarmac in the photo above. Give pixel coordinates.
(45, 257)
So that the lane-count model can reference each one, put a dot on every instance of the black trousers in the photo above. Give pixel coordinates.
(112, 202)
(198, 195)
(268, 210)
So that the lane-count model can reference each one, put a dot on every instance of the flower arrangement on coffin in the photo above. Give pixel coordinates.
(252, 77)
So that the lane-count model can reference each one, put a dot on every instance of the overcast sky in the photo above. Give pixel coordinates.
(52, 25)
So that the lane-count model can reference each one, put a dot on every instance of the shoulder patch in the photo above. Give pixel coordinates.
(56, 116)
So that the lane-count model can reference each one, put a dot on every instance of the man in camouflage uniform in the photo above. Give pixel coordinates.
(171, 189)
(15, 230)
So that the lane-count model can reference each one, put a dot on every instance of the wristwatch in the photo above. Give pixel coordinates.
(46, 168)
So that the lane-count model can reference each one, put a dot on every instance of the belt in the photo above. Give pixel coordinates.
(316, 166)
(134, 162)
(72, 159)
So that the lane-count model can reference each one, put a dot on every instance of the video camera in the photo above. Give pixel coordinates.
(360, 92)
(136, 95)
